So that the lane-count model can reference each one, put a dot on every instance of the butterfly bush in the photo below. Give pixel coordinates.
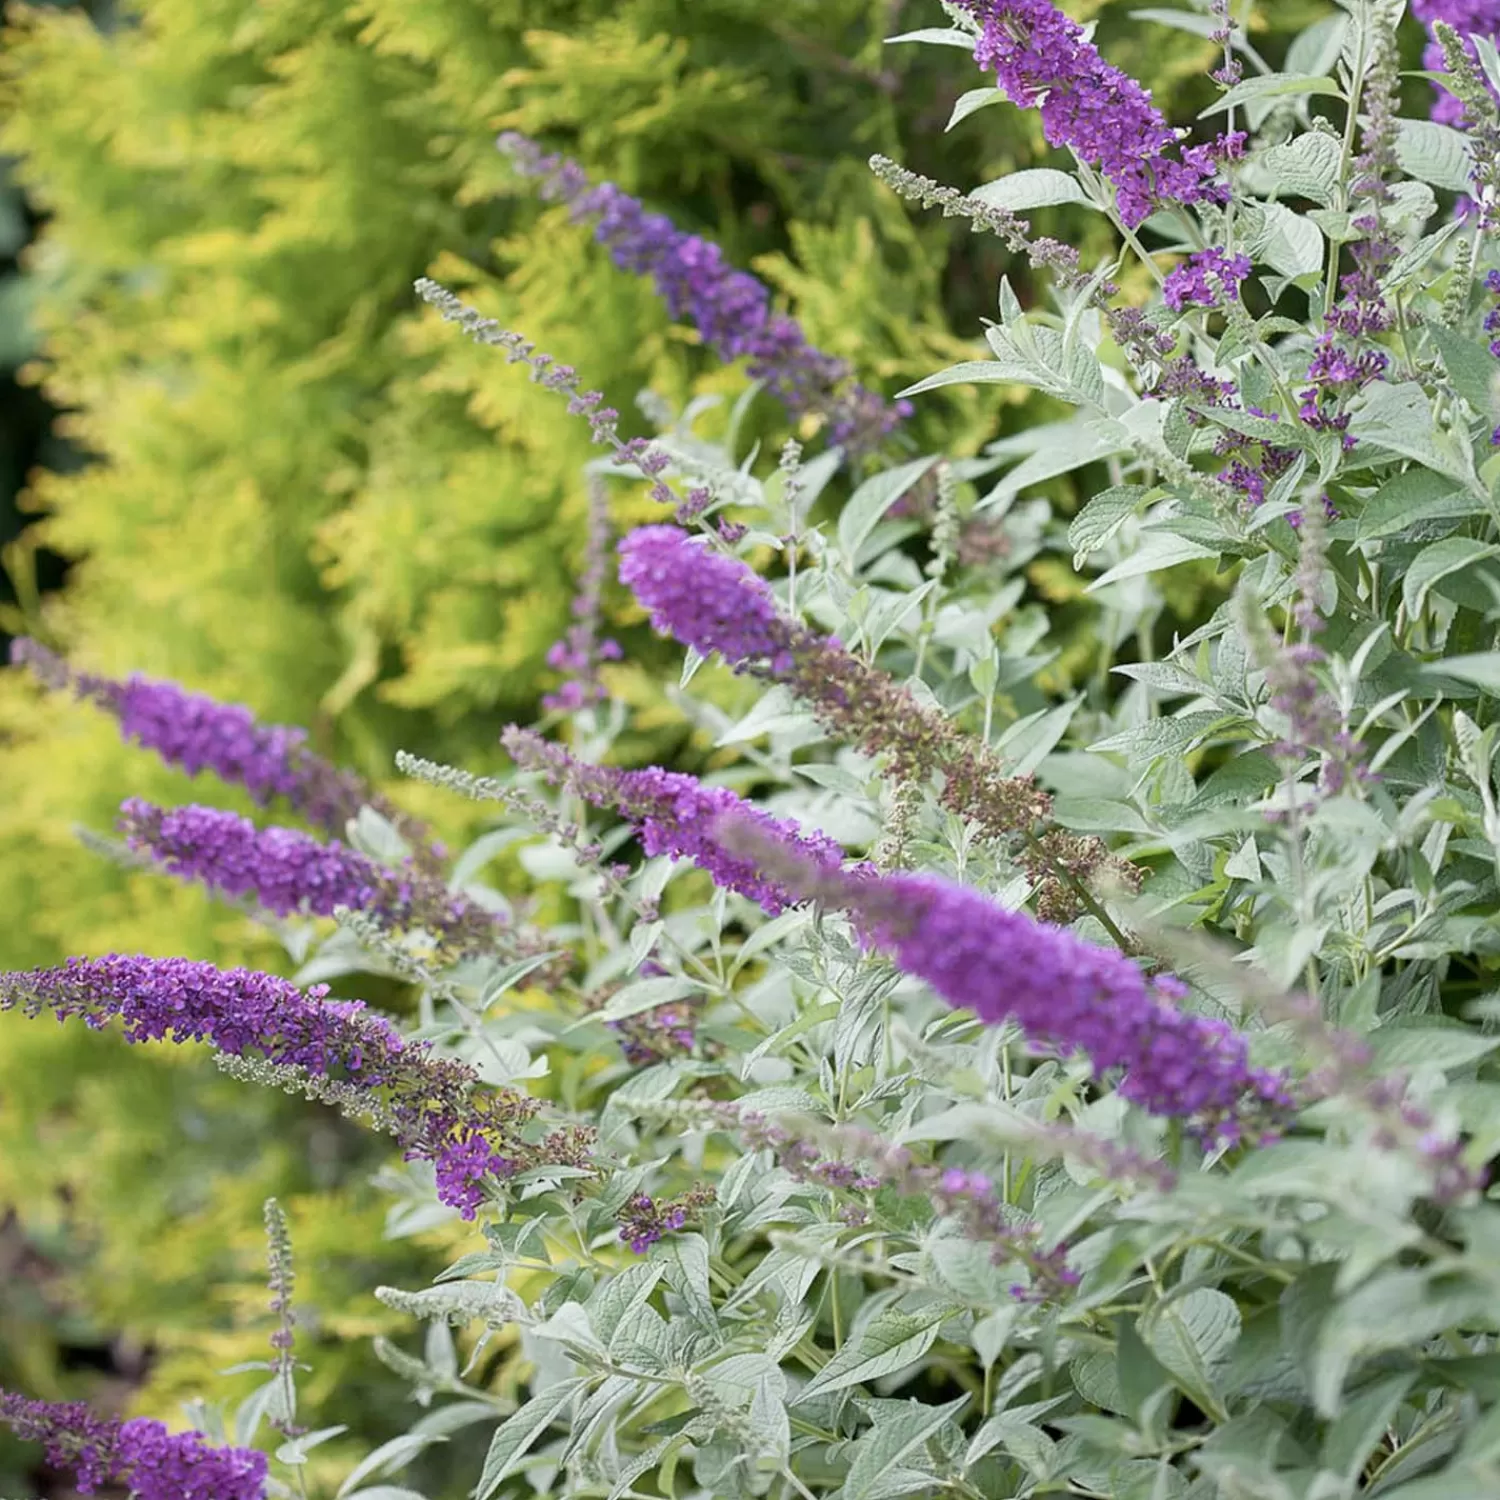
(980, 978)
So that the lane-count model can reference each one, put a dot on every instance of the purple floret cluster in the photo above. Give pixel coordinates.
(1207, 278)
(430, 1104)
(676, 814)
(140, 1454)
(1040, 58)
(645, 1220)
(1069, 995)
(730, 308)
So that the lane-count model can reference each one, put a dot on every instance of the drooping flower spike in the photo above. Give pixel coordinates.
(197, 733)
(729, 307)
(1062, 991)
(140, 1454)
(287, 871)
(430, 1104)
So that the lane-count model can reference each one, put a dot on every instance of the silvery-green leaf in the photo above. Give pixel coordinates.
(1157, 552)
(1102, 517)
(1274, 86)
(1034, 187)
(938, 35)
(1471, 367)
(1316, 50)
(872, 499)
(1307, 166)
(1400, 418)
(1434, 153)
(520, 1431)
(1178, 20)
(893, 1341)
(1482, 668)
(1411, 497)
(897, 1442)
(384, 1460)
(1289, 242)
(972, 100)
(1193, 1337)
(1438, 561)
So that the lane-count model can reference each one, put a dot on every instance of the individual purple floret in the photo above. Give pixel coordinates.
(197, 733)
(1207, 278)
(676, 814)
(428, 1103)
(1040, 58)
(140, 1454)
(1064, 993)
(287, 872)
(1468, 18)
(730, 308)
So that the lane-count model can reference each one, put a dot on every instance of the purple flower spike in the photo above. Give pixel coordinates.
(287, 871)
(430, 1104)
(1040, 58)
(1064, 993)
(197, 733)
(284, 870)
(730, 308)
(140, 1454)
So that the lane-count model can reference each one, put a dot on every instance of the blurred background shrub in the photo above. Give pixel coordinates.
(268, 475)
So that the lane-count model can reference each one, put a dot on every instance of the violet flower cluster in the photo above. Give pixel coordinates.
(139, 1454)
(1467, 18)
(430, 1104)
(655, 1035)
(1207, 278)
(1040, 58)
(1254, 463)
(644, 1220)
(1066, 994)
(197, 733)
(287, 871)
(676, 814)
(730, 308)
